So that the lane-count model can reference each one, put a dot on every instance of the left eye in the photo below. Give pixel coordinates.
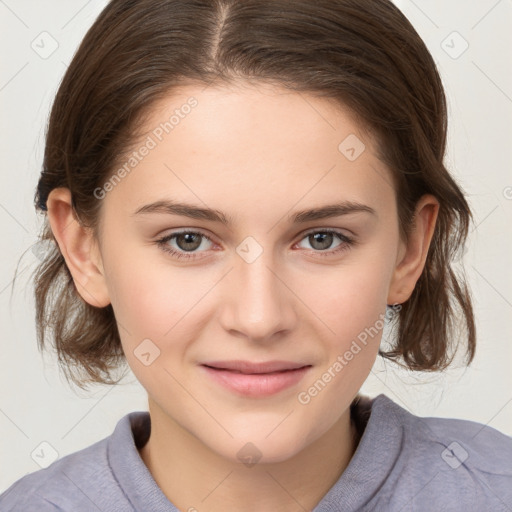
(187, 242)
(323, 239)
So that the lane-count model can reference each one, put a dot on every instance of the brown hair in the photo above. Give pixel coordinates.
(363, 54)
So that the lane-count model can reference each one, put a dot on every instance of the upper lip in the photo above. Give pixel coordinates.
(251, 367)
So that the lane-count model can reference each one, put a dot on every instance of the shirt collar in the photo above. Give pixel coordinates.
(372, 461)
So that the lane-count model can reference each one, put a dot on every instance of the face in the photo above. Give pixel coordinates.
(257, 279)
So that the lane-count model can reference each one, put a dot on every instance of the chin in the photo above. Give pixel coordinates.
(251, 450)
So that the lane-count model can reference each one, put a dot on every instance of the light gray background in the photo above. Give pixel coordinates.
(36, 405)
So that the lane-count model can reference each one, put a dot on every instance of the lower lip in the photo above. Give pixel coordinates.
(257, 385)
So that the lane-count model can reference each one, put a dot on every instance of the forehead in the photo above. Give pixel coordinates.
(260, 110)
(247, 145)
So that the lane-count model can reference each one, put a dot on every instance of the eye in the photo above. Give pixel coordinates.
(187, 243)
(321, 240)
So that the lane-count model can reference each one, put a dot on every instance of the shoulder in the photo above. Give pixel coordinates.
(51, 489)
(451, 464)
(82, 480)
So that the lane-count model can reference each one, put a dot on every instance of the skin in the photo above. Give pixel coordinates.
(258, 154)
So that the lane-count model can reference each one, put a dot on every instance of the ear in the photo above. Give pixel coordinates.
(79, 248)
(411, 258)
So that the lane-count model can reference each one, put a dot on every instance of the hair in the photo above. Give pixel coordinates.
(362, 54)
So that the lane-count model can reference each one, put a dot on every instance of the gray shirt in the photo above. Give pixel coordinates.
(402, 463)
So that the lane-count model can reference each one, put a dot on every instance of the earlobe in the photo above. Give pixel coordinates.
(79, 248)
(411, 259)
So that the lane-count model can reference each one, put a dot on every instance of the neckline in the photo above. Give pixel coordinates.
(375, 452)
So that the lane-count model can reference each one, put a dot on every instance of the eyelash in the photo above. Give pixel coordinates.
(346, 245)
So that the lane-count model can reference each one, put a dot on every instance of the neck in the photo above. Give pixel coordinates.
(192, 476)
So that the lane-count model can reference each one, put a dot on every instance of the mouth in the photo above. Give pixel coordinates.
(256, 379)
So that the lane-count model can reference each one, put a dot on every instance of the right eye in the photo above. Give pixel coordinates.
(186, 243)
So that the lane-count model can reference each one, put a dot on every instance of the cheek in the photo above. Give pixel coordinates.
(142, 298)
(148, 298)
(152, 300)
(150, 306)
(351, 307)
(350, 299)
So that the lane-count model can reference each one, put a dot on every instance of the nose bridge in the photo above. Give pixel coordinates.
(257, 303)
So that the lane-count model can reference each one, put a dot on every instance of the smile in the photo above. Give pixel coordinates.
(248, 379)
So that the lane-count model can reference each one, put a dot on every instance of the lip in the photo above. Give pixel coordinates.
(255, 379)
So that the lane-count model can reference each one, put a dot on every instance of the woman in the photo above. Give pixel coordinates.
(240, 196)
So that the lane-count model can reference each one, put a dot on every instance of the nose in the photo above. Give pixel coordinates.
(257, 301)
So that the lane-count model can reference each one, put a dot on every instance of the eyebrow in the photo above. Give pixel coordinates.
(195, 212)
